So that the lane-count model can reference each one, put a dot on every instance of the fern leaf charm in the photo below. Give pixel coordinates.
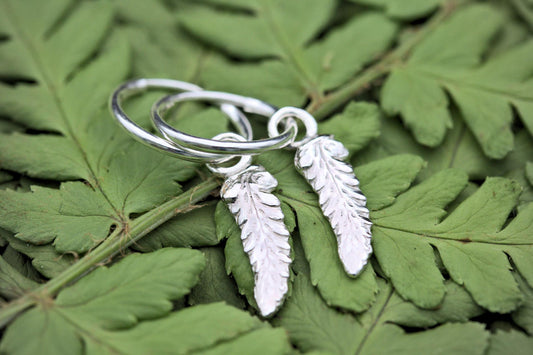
(320, 161)
(264, 236)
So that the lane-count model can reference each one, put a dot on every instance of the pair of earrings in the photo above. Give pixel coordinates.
(247, 189)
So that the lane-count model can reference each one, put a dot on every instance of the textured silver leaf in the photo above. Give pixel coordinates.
(264, 236)
(321, 162)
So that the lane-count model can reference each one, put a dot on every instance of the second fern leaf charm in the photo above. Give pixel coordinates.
(321, 162)
(264, 236)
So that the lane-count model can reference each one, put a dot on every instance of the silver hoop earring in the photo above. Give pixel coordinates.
(247, 189)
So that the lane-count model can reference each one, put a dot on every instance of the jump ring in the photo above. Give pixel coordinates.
(244, 160)
(311, 128)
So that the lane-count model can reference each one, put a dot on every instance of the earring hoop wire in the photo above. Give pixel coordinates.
(136, 86)
(247, 104)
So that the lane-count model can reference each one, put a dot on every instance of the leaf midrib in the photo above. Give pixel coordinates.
(125, 283)
(375, 223)
(49, 83)
(374, 323)
(426, 235)
(85, 330)
(292, 55)
(139, 183)
(324, 331)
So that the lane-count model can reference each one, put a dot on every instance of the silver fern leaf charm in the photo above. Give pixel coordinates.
(320, 161)
(264, 236)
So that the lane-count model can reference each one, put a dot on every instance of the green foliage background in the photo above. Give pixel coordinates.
(108, 247)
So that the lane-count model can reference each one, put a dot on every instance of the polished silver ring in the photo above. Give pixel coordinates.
(289, 113)
(247, 104)
(243, 162)
(133, 87)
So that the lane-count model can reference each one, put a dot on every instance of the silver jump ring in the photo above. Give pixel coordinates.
(133, 87)
(247, 104)
(285, 113)
(244, 160)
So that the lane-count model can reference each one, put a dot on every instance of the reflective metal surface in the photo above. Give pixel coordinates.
(133, 87)
(247, 104)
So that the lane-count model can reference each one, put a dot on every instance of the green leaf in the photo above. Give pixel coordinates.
(276, 26)
(304, 313)
(8, 126)
(529, 172)
(458, 150)
(523, 316)
(58, 216)
(284, 30)
(215, 285)
(448, 59)
(123, 177)
(327, 272)
(190, 229)
(526, 197)
(262, 341)
(457, 306)
(37, 331)
(20, 263)
(357, 125)
(511, 342)
(12, 283)
(44, 258)
(151, 28)
(312, 325)
(384, 179)
(53, 106)
(138, 287)
(511, 34)
(149, 181)
(4, 177)
(237, 262)
(470, 241)
(405, 10)
(192, 329)
(525, 9)
(469, 338)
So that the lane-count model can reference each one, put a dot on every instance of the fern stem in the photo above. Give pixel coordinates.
(360, 83)
(115, 243)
